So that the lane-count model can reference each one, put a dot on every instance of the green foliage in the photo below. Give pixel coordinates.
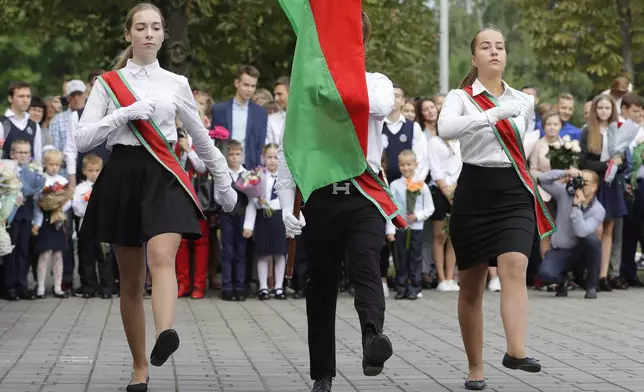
(589, 36)
(403, 44)
(67, 39)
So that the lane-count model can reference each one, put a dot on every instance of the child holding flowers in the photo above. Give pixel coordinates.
(416, 200)
(54, 200)
(268, 228)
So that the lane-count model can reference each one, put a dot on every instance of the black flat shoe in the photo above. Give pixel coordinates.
(526, 364)
(376, 351)
(166, 345)
(475, 385)
(140, 387)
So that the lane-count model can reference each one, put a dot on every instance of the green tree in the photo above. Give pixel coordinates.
(596, 37)
(45, 41)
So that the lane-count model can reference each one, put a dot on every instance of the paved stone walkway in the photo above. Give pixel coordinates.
(77, 345)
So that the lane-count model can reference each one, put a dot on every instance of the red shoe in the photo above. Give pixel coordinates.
(184, 291)
(197, 293)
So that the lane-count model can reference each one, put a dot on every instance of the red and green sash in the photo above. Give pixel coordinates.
(374, 188)
(510, 139)
(148, 133)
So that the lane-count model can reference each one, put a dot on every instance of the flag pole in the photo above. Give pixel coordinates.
(290, 262)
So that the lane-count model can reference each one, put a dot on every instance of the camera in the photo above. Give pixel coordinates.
(574, 184)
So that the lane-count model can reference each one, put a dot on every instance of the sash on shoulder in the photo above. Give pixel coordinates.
(509, 137)
(148, 133)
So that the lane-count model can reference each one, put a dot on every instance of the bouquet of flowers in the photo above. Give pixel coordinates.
(251, 183)
(52, 200)
(413, 191)
(564, 153)
(10, 187)
(267, 210)
(219, 134)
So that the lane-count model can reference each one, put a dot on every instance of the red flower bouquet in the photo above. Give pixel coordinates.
(52, 200)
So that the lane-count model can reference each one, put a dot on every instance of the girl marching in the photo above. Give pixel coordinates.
(143, 196)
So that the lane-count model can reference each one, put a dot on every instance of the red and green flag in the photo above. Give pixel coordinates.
(327, 124)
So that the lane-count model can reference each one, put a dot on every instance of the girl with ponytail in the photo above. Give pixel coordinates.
(143, 203)
(493, 215)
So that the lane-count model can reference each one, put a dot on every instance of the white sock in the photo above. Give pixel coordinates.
(280, 268)
(262, 272)
(44, 260)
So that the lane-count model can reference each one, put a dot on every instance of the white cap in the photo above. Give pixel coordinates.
(75, 86)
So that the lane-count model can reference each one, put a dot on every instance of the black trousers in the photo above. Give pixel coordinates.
(16, 264)
(341, 226)
(92, 255)
(409, 263)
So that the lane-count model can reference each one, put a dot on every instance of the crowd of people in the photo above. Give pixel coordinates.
(242, 253)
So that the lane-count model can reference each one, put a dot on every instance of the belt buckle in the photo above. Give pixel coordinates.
(341, 188)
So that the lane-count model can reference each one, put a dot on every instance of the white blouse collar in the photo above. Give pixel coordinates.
(478, 88)
(135, 69)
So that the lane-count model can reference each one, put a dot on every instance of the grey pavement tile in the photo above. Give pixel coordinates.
(79, 345)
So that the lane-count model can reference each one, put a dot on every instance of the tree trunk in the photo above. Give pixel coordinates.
(625, 24)
(176, 43)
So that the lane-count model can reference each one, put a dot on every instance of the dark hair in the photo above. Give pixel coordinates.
(247, 70)
(366, 28)
(630, 99)
(37, 102)
(121, 60)
(282, 81)
(92, 75)
(17, 85)
(473, 73)
(233, 144)
(548, 114)
(419, 113)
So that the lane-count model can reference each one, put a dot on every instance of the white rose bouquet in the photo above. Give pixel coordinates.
(564, 153)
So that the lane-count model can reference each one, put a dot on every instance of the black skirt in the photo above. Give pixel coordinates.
(441, 204)
(270, 234)
(135, 199)
(493, 213)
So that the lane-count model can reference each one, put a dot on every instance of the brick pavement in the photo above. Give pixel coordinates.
(78, 345)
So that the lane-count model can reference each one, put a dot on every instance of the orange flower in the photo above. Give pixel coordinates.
(414, 186)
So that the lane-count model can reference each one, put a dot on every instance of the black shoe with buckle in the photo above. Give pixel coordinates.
(376, 350)
(323, 385)
(604, 285)
(263, 295)
(526, 364)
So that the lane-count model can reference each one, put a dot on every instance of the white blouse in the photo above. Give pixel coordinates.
(461, 119)
(172, 96)
(444, 160)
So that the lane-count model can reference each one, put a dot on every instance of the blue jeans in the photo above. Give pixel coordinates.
(558, 262)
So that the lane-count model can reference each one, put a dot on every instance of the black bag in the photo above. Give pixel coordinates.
(204, 188)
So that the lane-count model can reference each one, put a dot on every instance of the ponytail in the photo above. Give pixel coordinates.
(121, 60)
(470, 78)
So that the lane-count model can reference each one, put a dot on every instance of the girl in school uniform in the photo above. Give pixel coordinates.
(51, 234)
(494, 212)
(264, 221)
(594, 156)
(143, 203)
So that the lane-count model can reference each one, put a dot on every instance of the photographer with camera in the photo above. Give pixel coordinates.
(579, 220)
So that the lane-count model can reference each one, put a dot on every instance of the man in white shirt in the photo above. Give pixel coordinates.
(16, 123)
(399, 134)
(276, 121)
